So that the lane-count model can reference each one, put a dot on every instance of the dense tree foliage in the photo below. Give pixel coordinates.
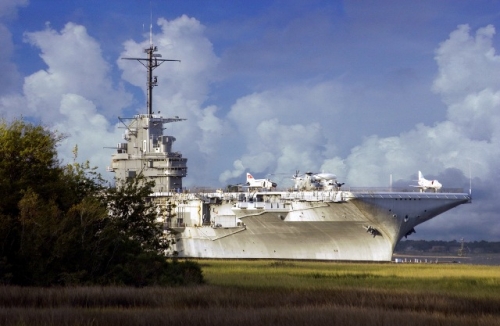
(448, 246)
(62, 225)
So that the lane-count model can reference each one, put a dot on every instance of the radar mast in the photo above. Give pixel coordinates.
(152, 62)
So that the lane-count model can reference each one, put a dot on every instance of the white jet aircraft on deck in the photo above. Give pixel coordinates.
(259, 183)
(425, 184)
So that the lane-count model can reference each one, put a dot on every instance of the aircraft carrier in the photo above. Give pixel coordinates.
(316, 219)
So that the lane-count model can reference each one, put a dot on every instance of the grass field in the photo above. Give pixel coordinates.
(267, 292)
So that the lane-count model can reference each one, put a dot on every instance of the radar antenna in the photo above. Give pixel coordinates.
(470, 181)
(151, 62)
(151, 26)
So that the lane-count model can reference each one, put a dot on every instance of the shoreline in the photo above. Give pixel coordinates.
(432, 258)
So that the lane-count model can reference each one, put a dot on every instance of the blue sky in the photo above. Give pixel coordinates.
(362, 89)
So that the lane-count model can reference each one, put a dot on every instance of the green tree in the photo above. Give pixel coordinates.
(63, 225)
(28, 159)
(30, 182)
(135, 215)
(136, 244)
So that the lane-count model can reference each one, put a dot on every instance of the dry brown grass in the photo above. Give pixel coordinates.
(368, 302)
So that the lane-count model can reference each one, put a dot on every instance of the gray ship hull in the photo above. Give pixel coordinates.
(358, 227)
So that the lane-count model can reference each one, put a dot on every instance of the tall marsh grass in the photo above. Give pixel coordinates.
(276, 293)
(468, 280)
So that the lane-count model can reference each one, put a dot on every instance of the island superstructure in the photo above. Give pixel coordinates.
(319, 218)
(147, 150)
